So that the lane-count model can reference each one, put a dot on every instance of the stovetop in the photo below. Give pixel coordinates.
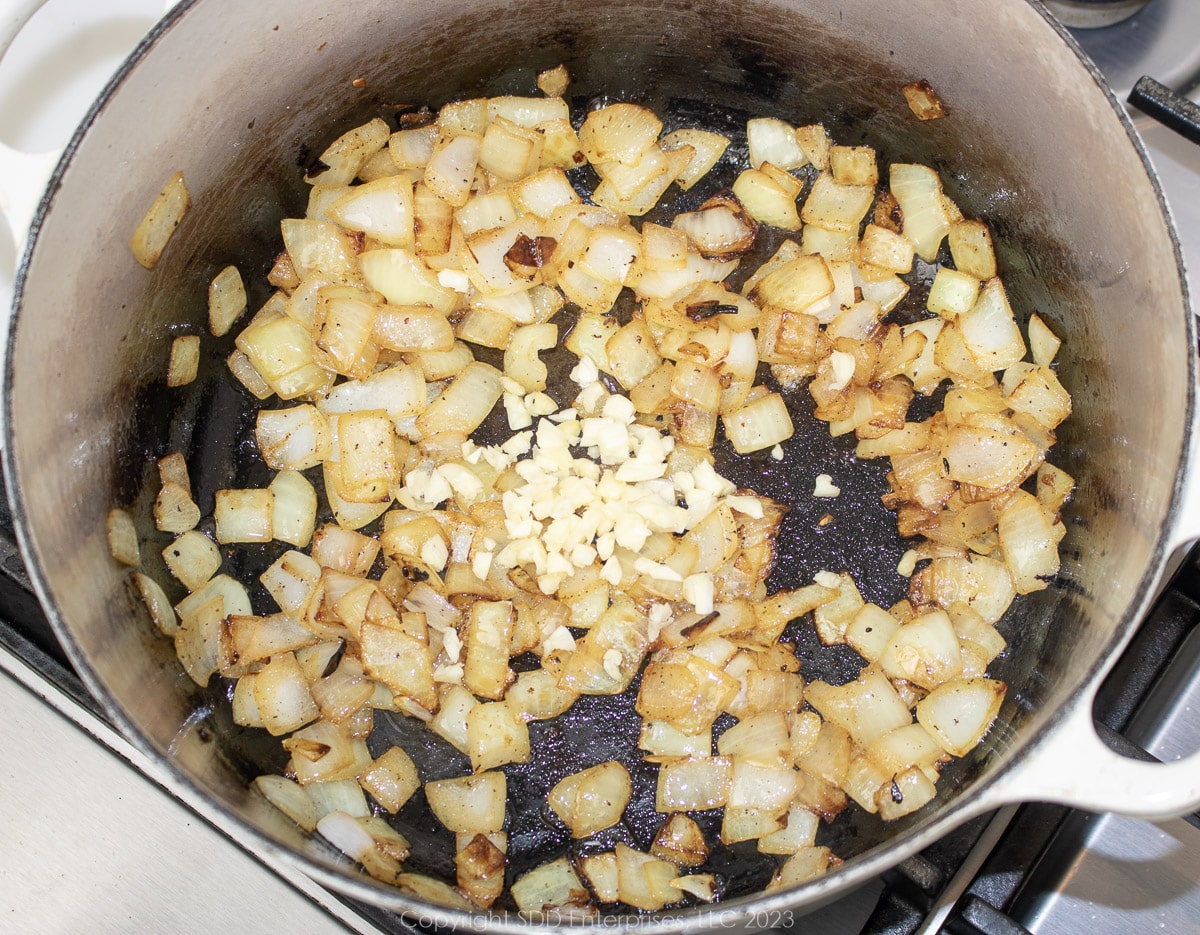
(96, 838)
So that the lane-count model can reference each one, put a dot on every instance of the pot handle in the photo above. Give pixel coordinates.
(1073, 766)
(23, 180)
(23, 176)
(1184, 531)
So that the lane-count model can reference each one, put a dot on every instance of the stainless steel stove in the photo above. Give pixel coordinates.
(95, 838)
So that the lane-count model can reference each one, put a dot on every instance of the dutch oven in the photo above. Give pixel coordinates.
(241, 96)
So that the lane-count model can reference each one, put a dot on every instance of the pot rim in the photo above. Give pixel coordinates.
(748, 910)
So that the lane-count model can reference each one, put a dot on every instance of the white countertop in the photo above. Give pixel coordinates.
(89, 844)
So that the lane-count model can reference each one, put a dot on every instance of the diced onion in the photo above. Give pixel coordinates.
(619, 133)
(185, 360)
(919, 192)
(164, 216)
(122, 538)
(923, 101)
(472, 803)
(959, 713)
(593, 799)
(193, 558)
(760, 424)
(174, 509)
(226, 300)
(290, 798)
(598, 536)
(243, 515)
(157, 604)
(392, 779)
(552, 886)
(282, 695)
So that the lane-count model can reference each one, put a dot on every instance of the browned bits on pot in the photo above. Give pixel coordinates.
(887, 212)
(527, 254)
(409, 117)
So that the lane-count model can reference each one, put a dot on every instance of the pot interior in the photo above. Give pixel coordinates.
(241, 98)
